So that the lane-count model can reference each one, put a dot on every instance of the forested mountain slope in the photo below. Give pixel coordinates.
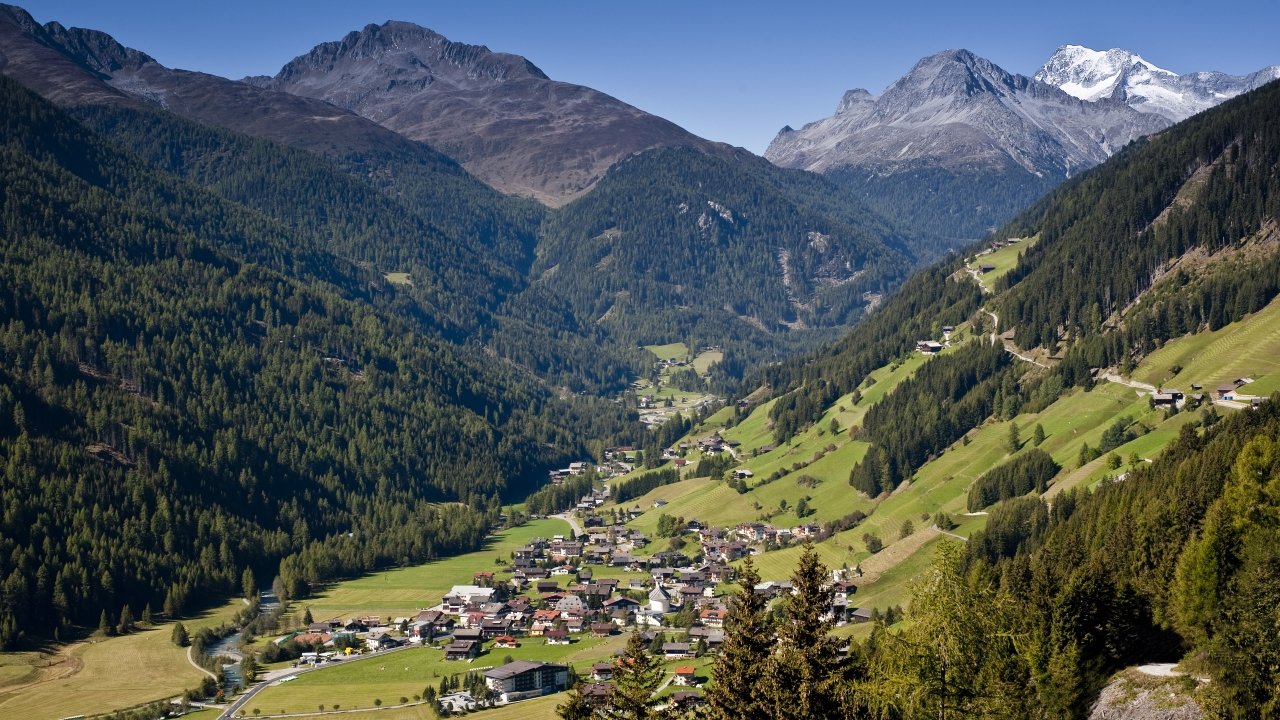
(1173, 559)
(676, 244)
(191, 387)
(1208, 187)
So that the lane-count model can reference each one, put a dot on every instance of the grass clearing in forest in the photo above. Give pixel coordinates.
(114, 673)
(402, 591)
(1245, 348)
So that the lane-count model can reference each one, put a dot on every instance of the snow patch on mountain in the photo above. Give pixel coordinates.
(1117, 74)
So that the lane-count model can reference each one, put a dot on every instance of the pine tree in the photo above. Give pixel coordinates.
(179, 636)
(744, 655)
(1015, 442)
(802, 676)
(638, 675)
(126, 620)
(104, 627)
(575, 707)
(146, 614)
(306, 617)
(1037, 436)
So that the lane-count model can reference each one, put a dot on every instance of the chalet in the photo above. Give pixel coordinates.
(546, 615)
(525, 679)
(860, 615)
(355, 626)
(713, 637)
(557, 637)
(575, 624)
(462, 650)
(691, 594)
(687, 699)
(621, 603)
(494, 628)
(585, 575)
(807, 530)
(505, 641)
(546, 587)
(843, 590)
(676, 650)
(571, 605)
(474, 633)
(712, 617)
(1226, 390)
(774, 588)
(483, 579)
(596, 694)
(463, 595)
(494, 610)
(383, 642)
(929, 347)
(1166, 399)
(602, 629)
(985, 268)
(602, 671)
(719, 573)
(318, 627)
(685, 675)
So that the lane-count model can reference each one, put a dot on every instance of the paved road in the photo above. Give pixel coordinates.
(272, 677)
(1136, 385)
(568, 517)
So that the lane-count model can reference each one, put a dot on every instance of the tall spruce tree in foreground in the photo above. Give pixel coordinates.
(802, 677)
(637, 677)
(748, 641)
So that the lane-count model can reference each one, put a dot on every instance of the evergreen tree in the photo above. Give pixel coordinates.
(1015, 443)
(637, 677)
(104, 626)
(1037, 436)
(179, 635)
(126, 620)
(802, 677)
(748, 641)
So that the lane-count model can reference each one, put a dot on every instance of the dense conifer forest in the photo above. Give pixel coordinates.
(192, 386)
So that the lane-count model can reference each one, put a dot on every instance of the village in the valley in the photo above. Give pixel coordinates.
(599, 581)
(590, 586)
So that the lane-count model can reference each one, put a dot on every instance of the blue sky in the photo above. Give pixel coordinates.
(730, 71)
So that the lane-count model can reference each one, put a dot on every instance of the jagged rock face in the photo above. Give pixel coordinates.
(74, 66)
(1121, 75)
(496, 113)
(958, 111)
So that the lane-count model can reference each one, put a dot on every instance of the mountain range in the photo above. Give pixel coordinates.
(1125, 76)
(958, 144)
(497, 114)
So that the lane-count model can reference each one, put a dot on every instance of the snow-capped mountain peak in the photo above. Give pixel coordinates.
(1092, 75)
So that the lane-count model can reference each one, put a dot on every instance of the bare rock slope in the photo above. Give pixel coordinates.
(497, 114)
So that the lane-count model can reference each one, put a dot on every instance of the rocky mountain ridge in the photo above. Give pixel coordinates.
(497, 114)
(957, 110)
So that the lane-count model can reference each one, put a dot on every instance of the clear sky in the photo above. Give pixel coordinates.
(734, 71)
